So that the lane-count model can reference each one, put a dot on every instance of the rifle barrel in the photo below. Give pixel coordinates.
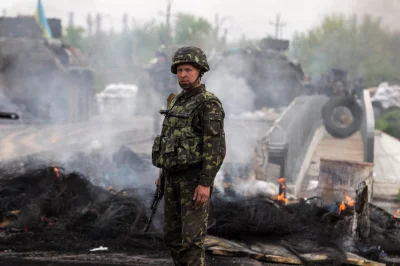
(12, 116)
(158, 194)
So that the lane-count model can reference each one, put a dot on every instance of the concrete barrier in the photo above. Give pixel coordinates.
(368, 127)
(290, 136)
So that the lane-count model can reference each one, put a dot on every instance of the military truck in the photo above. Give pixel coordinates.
(274, 78)
(47, 79)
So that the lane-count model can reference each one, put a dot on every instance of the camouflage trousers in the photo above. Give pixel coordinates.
(184, 226)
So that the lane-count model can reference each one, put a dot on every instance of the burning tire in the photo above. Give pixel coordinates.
(342, 116)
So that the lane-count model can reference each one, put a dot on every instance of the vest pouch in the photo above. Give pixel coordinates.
(168, 145)
(189, 151)
(156, 152)
(176, 120)
(168, 152)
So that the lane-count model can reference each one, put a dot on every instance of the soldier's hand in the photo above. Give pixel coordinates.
(201, 196)
(157, 181)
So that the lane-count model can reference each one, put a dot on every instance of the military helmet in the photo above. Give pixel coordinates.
(190, 55)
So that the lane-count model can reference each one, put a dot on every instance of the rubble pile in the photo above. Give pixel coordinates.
(305, 226)
(47, 209)
(388, 96)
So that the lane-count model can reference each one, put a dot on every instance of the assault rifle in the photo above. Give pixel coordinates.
(158, 194)
(12, 116)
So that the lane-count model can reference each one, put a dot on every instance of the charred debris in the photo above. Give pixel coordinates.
(47, 208)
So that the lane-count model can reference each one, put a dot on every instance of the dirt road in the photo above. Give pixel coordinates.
(17, 139)
(23, 139)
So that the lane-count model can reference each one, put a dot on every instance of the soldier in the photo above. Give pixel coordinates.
(190, 151)
(163, 83)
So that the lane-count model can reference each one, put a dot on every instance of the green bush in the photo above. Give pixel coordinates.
(389, 123)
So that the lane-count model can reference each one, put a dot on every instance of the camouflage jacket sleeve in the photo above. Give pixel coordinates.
(214, 147)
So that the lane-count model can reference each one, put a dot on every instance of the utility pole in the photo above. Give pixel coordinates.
(278, 26)
(125, 26)
(168, 22)
(3, 13)
(71, 19)
(134, 41)
(89, 22)
(167, 33)
(98, 23)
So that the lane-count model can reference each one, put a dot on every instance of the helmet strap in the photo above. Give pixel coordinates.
(193, 84)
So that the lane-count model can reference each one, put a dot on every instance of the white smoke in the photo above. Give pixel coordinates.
(233, 91)
(37, 87)
(249, 187)
(228, 83)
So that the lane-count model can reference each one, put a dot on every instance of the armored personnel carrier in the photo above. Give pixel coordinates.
(47, 79)
(274, 79)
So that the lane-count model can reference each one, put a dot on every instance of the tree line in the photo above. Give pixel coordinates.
(122, 55)
(360, 45)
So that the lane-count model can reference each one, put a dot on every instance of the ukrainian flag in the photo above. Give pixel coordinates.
(42, 21)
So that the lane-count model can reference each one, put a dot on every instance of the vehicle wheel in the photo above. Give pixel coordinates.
(342, 116)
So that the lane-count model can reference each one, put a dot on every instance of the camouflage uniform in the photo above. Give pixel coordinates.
(190, 150)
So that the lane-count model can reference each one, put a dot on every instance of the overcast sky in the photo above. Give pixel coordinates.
(249, 17)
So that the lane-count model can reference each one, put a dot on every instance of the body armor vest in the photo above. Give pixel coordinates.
(179, 147)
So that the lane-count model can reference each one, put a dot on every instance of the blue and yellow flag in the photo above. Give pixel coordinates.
(41, 20)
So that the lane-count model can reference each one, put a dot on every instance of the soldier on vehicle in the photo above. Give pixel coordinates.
(190, 151)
